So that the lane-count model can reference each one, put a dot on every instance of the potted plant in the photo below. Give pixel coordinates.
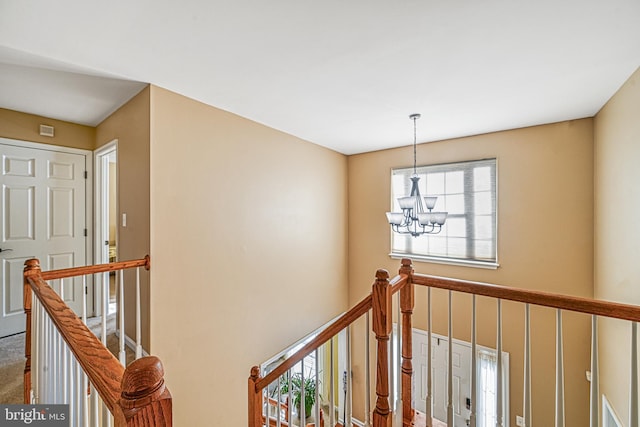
(296, 390)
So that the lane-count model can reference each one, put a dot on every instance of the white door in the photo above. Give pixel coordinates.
(439, 371)
(43, 216)
(486, 380)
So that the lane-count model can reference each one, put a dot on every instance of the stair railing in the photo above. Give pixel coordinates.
(394, 380)
(67, 364)
(561, 303)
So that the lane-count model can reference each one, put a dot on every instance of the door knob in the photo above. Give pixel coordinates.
(5, 250)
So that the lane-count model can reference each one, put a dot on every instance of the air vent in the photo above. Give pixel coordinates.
(46, 130)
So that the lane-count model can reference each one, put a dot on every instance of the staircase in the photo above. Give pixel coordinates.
(67, 364)
(380, 388)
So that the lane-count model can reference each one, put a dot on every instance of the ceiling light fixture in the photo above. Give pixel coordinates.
(413, 219)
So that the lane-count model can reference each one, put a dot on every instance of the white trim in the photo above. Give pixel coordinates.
(298, 343)
(608, 409)
(131, 344)
(448, 261)
(98, 246)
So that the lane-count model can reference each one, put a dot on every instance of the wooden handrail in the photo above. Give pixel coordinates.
(342, 322)
(98, 268)
(545, 299)
(135, 396)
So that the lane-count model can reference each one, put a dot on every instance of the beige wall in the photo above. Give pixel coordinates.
(248, 242)
(26, 127)
(130, 126)
(545, 242)
(617, 246)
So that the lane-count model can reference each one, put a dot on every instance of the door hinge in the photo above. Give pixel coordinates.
(86, 174)
(86, 290)
(85, 232)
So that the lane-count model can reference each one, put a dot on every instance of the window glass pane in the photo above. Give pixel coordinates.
(483, 227)
(456, 227)
(482, 179)
(482, 203)
(421, 245)
(453, 204)
(437, 245)
(454, 182)
(435, 184)
(483, 249)
(457, 247)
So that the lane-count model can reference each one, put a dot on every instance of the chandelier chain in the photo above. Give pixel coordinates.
(414, 117)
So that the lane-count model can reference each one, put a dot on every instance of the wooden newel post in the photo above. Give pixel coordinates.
(406, 307)
(145, 401)
(31, 268)
(255, 399)
(382, 318)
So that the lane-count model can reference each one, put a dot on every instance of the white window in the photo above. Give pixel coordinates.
(467, 191)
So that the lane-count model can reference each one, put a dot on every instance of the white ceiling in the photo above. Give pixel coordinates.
(342, 74)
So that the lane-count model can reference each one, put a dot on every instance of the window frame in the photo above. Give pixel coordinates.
(468, 262)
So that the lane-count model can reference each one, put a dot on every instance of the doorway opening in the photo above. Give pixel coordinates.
(106, 249)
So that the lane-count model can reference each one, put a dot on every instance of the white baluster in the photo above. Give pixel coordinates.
(594, 413)
(105, 306)
(123, 354)
(317, 397)
(84, 299)
(278, 410)
(349, 394)
(429, 398)
(450, 368)
(559, 372)
(302, 411)
(44, 345)
(63, 364)
(55, 380)
(332, 411)
(71, 389)
(36, 330)
(526, 406)
(138, 321)
(633, 395)
(290, 397)
(398, 367)
(367, 375)
(474, 367)
(95, 405)
(499, 410)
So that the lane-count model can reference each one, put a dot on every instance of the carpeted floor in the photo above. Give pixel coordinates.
(11, 368)
(12, 359)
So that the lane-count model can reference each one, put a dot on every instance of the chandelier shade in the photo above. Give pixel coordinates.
(414, 219)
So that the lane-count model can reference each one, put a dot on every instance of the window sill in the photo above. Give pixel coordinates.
(447, 261)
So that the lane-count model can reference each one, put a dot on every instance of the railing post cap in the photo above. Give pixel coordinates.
(142, 382)
(32, 264)
(255, 372)
(382, 274)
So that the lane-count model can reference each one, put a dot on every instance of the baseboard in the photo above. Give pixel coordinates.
(131, 343)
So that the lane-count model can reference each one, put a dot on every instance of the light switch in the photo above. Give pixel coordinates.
(124, 219)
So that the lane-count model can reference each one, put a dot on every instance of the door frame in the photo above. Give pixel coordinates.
(88, 188)
(101, 218)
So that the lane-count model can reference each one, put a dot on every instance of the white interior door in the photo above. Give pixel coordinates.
(43, 215)
(439, 370)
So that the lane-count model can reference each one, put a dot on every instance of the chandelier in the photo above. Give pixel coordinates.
(413, 219)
